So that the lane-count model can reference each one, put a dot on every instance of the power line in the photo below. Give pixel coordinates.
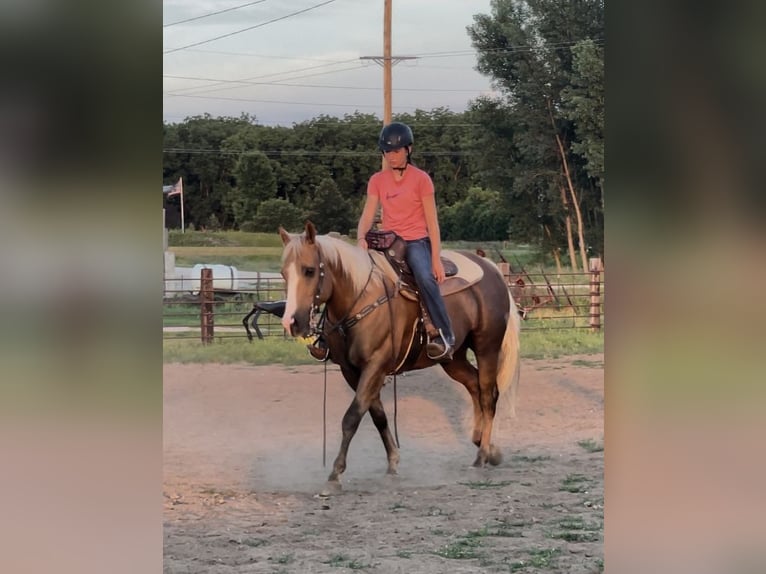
(212, 88)
(250, 27)
(195, 78)
(228, 99)
(212, 14)
(300, 153)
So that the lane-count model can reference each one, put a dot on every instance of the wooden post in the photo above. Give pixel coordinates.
(596, 267)
(386, 62)
(505, 269)
(206, 306)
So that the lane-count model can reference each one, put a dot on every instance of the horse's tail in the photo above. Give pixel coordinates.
(509, 366)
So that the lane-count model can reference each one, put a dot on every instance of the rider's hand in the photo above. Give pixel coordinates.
(438, 268)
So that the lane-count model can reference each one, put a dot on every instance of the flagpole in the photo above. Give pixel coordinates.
(180, 180)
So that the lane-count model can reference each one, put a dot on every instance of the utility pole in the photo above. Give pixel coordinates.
(387, 61)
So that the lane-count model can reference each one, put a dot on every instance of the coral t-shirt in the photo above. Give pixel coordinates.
(402, 201)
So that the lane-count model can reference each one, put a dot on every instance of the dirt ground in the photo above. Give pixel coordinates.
(244, 475)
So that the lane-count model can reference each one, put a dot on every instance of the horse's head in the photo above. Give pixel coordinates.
(303, 271)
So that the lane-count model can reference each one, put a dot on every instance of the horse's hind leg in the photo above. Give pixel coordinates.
(488, 395)
(378, 415)
(464, 372)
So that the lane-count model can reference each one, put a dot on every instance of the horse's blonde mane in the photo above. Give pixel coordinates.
(354, 261)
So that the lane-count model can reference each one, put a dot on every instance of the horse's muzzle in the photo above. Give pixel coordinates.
(299, 327)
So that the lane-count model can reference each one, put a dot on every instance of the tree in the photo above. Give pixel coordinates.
(526, 47)
(480, 216)
(329, 210)
(275, 212)
(255, 183)
(583, 104)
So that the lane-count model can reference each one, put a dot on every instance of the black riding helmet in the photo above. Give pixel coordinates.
(394, 136)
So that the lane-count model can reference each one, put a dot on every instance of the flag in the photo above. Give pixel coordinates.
(178, 188)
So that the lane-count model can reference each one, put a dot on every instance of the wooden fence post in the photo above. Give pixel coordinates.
(206, 298)
(596, 267)
(505, 269)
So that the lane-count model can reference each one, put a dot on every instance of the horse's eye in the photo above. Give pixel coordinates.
(309, 271)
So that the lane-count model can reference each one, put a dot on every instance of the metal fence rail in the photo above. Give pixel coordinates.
(545, 302)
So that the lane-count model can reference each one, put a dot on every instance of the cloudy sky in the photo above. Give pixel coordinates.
(301, 58)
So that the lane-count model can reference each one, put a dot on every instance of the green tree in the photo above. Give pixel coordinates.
(329, 210)
(583, 104)
(255, 183)
(480, 216)
(526, 47)
(275, 212)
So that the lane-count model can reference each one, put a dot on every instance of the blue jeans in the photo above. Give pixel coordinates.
(419, 259)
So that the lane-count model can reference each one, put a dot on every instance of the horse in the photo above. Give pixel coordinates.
(371, 331)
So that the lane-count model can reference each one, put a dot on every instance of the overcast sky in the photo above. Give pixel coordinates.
(308, 64)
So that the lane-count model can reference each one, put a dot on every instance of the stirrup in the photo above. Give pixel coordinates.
(436, 352)
(318, 349)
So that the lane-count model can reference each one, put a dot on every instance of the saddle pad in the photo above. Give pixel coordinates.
(468, 273)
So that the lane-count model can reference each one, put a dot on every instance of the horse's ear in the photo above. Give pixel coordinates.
(311, 232)
(286, 237)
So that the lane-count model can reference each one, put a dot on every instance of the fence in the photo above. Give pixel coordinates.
(563, 301)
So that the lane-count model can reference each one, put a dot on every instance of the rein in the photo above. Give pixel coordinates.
(343, 326)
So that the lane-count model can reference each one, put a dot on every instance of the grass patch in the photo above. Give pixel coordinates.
(461, 549)
(589, 364)
(222, 239)
(591, 445)
(284, 559)
(233, 347)
(554, 343)
(403, 554)
(506, 528)
(254, 542)
(575, 529)
(265, 352)
(486, 484)
(343, 561)
(541, 558)
(575, 483)
(530, 458)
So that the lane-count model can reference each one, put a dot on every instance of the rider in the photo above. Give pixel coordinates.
(406, 194)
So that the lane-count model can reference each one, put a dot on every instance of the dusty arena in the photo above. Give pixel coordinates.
(244, 475)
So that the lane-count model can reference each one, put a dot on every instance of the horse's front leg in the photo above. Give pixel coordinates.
(378, 415)
(368, 388)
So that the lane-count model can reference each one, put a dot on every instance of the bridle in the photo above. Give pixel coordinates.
(317, 318)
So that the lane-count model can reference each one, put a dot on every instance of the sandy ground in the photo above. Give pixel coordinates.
(243, 474)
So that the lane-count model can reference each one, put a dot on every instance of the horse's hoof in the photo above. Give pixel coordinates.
(495, 456)
(331, 487)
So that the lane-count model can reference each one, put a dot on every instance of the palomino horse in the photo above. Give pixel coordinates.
(370, 329)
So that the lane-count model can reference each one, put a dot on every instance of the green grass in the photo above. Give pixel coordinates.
(575, 483)
(283, 559)
(591, 445)
(223, 239)
(575, 529)
(538, 558)
(588, 364)
(343, 561)
(555, 343)
(266, 352)
(530, 458)
(235, 348)
(486, 484)
(461, 549)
